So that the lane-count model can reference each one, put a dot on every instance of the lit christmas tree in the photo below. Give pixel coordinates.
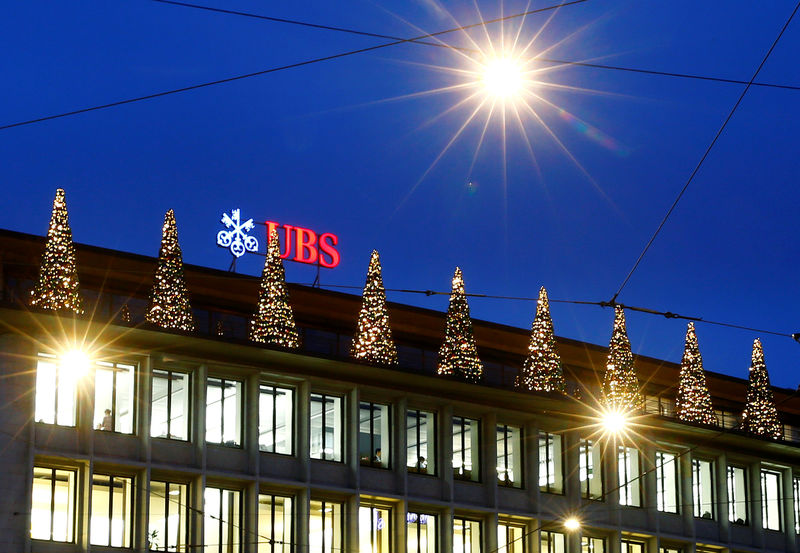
(58, 286)
(542, 370)
(693, 403)
(273, 321)
(620, 385)
(760, 414)
(373, 340)
(125, 314)
(458, 355)
(169, 300)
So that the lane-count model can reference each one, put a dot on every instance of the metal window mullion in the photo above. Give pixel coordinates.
(110, 506)
(52, 501)
(169, 404)
(272, 524)
(166, 518)
(274, 419)
(113, 400)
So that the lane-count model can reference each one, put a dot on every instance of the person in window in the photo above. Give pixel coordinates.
(377, 458)
(108, 422)
(422, 465)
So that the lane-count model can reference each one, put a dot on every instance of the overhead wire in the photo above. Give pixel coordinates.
(472, 50)
(282, 67)
(704, 156)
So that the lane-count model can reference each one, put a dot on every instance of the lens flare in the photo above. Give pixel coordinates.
(503, 78)
(75, 363)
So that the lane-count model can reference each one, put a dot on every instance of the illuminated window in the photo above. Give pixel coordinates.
(326, 427)
(737, 494)
(591, 544)
(275, 419)
(669, 549)
(222, 520)
(466, 535)
(770, 499)
(169, 513)
(551, 542)
(551, 471)
(630, 546)
(466, 449)
(510, 538)
(796, 503)
(274, 524)
(629, 470)
(703, 488)
(170, 400)
(224, 412)
(509, 455)
(113, 397)
(590, 469)
(56, 391)
(111, 520)
(421, 444)
(325, 527)
(666, 482)
(421, 533)
(374, 439)
(374, 529)
(53, 504)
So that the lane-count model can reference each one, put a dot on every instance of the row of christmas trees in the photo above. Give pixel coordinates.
(273, 323)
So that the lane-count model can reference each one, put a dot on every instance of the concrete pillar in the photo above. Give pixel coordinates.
(721, 497)
(754, 505)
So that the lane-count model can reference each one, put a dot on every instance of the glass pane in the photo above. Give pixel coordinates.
(421, 441)
(67, 393)
(421, 533)
(552, 542)
(628, 467)
(275, 420)
(159, 414)
(45, 395)
(510, 538)
(590, 470)
(770, 499)
(326, 427)
(221, 521)
(124, 406)
(64, 506)
(110, 516)
(373, 434)
(737, 495)
(509, 456)
(466, 536)
(179, 406)
(214, 411)
(374, 530)
(41, 503)
(703, 488)
(550, 463)
(232, 413)
(592, 545)
(103, 396)
(666, 482)
(466, 449)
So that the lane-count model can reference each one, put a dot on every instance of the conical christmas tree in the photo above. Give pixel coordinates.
(693, 403)
(373, 340)
(620, 385)
(273, 321)
(58, 286)
(169, 300)
(760, 414)
(542, 369)
(458, 355)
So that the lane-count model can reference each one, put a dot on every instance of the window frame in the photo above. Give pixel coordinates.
(72, 527)
(370, 460)
(373, 508)
(291, 434)
(418, 442)
(417, 522)
(183, 512)
(517, 455)
(57, 366)
(765, 500)
(661, 481)
(510, 545)
(341, 526)
(475, 449)
(237, 524)
(110, 507)
(627, 542)
(588, 543)
(732, 500)
(557, 486)
(342, 430)
(189, 407)
(464, 520)
(586, 451)
(115, 371)
(272, 542)
(697, 503)
(551, 544)
(240, 410)
(633, 483)
(796, 502)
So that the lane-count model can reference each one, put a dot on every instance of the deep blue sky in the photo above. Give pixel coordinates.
(317, 147)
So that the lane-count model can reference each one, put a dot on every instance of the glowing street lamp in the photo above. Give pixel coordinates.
(75, 363)
(572, 524)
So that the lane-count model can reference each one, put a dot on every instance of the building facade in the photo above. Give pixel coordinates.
(118, 436)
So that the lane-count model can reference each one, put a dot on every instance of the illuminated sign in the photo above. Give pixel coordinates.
(306, 246)
(299, 244)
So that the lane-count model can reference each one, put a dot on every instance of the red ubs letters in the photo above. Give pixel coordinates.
(305, 246)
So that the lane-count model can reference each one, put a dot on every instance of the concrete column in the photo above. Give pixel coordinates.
(301, 514)
(251, 418)
(488, 462)
(531, 466)
(351, 542)
(572, 484)
(302, 445)
(196, 528)
(788, 511)
(754, 504)
(721, 497)
(252, 536)
(446, 530)
(142, 509)
(351, 418)
(399, 534)
(143, 411)
(648, 483)
(490, 531)
(445, 451)
(198, 424)
(686, 497)
(399, 448)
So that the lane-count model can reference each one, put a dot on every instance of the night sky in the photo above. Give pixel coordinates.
(339, 147)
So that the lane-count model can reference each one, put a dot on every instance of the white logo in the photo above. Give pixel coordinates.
(237, 238)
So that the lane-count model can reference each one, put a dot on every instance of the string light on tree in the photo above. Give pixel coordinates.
(458, 355)
(125, 314)
(693, 403)
(58, 288)
(542, 370)
(760, 414)
(620, 385)
(273, 322)
(373, 340)
(169, 300)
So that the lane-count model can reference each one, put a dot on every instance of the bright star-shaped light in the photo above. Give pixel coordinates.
(75, 363)
(614, 421)
(503, 77)
(572, 524)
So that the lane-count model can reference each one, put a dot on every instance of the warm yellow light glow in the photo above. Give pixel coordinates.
(572, 524)
(614, 421)
(75, 363)
(503, 77)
